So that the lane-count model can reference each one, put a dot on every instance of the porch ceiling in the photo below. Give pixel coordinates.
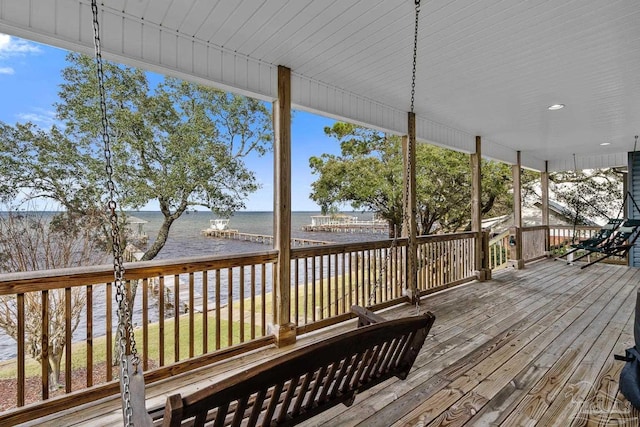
(485, 67)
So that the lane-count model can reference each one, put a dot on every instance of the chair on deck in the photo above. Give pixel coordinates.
(600, 238)
(618, 244)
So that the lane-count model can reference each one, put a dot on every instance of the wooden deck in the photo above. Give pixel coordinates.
(530, 347)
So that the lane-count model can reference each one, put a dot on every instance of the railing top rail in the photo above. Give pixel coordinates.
(447, 237)
(499, 237)
(535, 228)
(338, 248)
(14, 283)
(578, 227)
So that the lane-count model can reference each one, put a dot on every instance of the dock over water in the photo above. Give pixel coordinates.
(340, 223)
(258, 238)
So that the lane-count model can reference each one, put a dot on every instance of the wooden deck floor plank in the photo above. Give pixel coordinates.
(603, 401)
(493, 383)
(502, 288)
(527, 345)
(505, 402)
(577, 340)
(564, 407)
(484, 337)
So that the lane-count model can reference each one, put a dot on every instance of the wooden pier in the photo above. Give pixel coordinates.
(372, 227)
(258, 238)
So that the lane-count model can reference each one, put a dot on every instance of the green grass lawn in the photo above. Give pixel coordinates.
(8, 369)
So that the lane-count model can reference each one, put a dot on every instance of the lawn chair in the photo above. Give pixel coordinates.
(618, 244)
(599, 239)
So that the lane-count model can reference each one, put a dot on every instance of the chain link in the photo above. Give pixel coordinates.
(415, 56)
(410, 216)
(383, 267)
(125, 328)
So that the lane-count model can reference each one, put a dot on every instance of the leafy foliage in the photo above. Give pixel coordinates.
(30, 242)
(595, 193)
(178, 143)
(368, 175)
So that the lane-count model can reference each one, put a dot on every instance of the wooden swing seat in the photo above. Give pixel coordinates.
(299, 385)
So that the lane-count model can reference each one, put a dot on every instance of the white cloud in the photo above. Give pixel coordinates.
(6, 70)
(45, 119)
(12, 47)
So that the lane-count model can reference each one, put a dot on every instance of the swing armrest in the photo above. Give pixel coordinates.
(366, 317)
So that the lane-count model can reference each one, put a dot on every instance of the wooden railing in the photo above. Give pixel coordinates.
(445, 260)
(562, 236)
(327, 280)
(185, 311)
(499, 251)
(191, 312)
(534, 242)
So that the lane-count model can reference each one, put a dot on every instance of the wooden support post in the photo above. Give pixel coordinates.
(409, 226)
(544, 185)
(283, 329)
(515, 238)
(481, 255)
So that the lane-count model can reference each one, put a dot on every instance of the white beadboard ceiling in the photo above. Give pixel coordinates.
(485, 67)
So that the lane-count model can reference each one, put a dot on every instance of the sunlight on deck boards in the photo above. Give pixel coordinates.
(534, 345)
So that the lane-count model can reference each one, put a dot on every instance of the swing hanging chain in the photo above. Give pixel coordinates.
(415, 55)
(383, 268)
(125, 328)
(410, 216)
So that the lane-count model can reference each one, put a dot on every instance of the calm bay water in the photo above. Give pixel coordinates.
(186, 239)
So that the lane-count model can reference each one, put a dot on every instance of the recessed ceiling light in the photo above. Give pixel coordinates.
(555, 107)
(605, 143)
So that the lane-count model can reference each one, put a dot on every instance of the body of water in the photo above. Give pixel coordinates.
(186, 238)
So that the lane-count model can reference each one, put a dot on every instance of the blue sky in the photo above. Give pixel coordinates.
(29, 80)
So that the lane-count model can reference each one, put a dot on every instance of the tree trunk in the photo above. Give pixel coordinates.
(160, 241)
(54, 362)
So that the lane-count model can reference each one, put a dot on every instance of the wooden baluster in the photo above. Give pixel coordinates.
(344, 283)
(241, 300)
(109, 329)
(253, 301)
(67, 340)
(21, 350)
(263, 298)
(145, 324)
(161, 320)
(229, 306)
(321, 286)
(176, 317)
(44, 343)
(217, 319)
(205, 312)
(313, 288)
(192, 314)
(306, 290)
(295, 304)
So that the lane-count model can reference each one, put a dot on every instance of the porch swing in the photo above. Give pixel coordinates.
(283, 391)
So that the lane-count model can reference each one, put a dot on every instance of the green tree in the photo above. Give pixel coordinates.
(39, 241)
(594, 194)
(368, 175)
(178, 143)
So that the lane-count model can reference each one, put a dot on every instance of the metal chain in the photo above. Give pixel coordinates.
(125, 328)
(409, 216)
(383, 267)
(415, 55)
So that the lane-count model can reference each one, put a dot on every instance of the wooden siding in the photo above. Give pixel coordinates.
(634, 189)
(532, 345)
